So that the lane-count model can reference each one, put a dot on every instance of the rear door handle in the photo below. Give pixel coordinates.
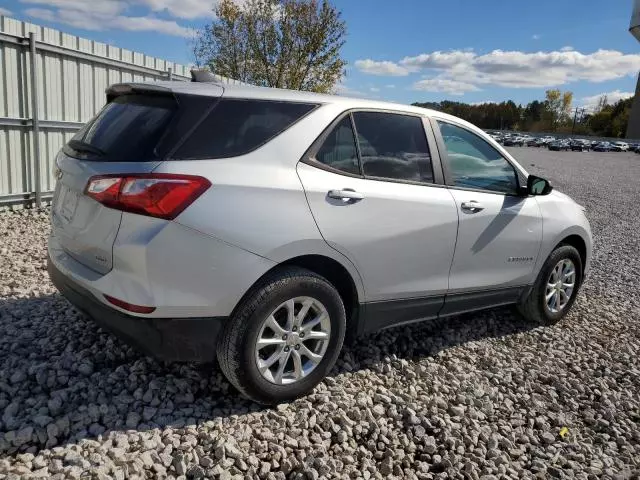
(471, 206)
(345, 194)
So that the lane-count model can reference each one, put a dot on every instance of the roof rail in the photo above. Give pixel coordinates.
(203, 75)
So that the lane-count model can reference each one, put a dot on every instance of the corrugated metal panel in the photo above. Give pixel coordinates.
(72, 74)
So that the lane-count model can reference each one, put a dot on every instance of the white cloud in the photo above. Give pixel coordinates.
(444, 85)
(154, 24)
(105, 7)
(567, 48)
(390, 86)
(383, 68)
(42, 14)
(177, 8)
(535, 36)
(4, 11)
(345, 91)
(182, 8)
(99, 20)
(438, 60)
(612, 97)
(374, 89)
(513, 69)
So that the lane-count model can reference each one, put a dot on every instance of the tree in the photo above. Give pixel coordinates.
(611, 121)
(603, 101)
(567, 100)
(276, 43)
(557, 107)
(600, 122)
(532, 114)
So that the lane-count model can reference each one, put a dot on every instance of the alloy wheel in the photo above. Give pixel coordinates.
(292, 340)
(560, 286)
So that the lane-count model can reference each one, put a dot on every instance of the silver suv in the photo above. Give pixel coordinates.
(262, 226)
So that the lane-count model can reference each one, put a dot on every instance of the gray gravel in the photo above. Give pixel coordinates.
(485, 396)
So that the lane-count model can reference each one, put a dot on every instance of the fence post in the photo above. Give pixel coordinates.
(35, 122)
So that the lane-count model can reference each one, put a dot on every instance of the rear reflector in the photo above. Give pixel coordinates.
(129, 306)
(160, 195)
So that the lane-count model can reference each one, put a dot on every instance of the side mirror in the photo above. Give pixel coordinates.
(538, 186)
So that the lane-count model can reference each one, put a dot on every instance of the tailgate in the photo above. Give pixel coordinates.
(122, 138)
(86, 229)
(137, 128)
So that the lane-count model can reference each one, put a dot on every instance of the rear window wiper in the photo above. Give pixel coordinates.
(81, 146)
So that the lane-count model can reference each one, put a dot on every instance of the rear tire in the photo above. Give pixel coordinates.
(536, 305)
(251, 339)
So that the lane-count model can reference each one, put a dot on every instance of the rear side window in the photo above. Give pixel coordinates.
(393, 146)
(339, 148)
(127, 129)
(236, 127)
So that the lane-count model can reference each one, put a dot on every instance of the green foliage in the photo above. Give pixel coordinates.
(276, 43)
(557, 109)
(611, 120)
(552, 114)
(488, 115)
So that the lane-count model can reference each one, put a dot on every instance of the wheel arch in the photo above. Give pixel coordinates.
(578, 243)
(336, 273)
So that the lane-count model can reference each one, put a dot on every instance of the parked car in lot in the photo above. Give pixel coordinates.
(580, 145)
(620, 146)
(535, 142)
(634, 146)
(513, 141)
(548, 139)
(198, 221)
(558, 145)
(603, 147)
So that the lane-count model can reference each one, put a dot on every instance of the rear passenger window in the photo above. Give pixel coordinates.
(393, 146)
(339, 148)
(236, 127)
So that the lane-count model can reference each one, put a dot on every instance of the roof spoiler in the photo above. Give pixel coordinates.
(203, 75)
(119, 89)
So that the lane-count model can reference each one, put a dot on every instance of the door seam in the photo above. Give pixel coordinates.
(455, 248)
(355, 268)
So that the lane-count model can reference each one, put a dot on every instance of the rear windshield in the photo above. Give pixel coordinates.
(127, 129)
(236, 127)
(146, 127)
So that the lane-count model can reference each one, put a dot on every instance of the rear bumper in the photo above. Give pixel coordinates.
(171, 339)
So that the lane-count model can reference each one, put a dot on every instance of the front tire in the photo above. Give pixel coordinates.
(284, 337)
(555, 289)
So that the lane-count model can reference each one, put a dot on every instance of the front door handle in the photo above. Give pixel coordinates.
(346, 194)
(471, 206)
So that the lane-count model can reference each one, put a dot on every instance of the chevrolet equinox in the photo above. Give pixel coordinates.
(262, 226)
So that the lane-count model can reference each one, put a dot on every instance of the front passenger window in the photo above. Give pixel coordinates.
(474, 163)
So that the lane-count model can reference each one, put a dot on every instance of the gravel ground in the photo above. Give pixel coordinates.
(486, 396)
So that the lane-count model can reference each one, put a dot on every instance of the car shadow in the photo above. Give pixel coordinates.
(509, 211)
(63, 379)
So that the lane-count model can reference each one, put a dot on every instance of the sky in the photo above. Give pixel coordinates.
(407, 50)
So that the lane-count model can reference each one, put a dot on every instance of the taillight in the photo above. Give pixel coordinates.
(161, 195)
